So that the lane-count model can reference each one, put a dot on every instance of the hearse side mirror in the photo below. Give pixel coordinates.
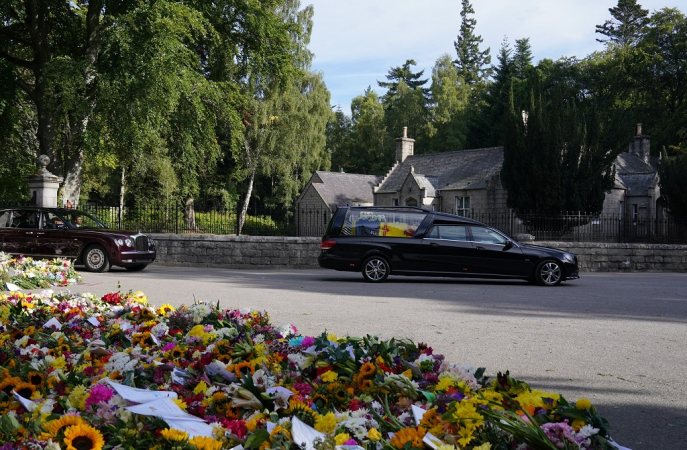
(508, 245)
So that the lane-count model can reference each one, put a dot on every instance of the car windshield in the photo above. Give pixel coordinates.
(80, 219)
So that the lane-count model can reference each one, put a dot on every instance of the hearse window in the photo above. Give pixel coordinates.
(448, 232)
(487, 236)
(382, 222)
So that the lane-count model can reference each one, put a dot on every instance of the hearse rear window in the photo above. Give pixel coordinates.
(382, 222)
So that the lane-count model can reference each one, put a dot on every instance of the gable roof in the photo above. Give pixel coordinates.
(635, 174)
(340, 189)
(463, 169)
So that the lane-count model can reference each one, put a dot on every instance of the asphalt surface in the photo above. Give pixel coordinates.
(618, 339)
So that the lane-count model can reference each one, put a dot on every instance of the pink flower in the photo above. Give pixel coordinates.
(99, 393)
(307, 341)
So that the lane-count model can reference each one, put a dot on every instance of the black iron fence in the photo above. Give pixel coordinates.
(313, 220)
(581, 227)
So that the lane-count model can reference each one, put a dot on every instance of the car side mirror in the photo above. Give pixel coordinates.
(508, 245)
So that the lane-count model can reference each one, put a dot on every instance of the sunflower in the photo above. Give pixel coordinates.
(242, 368)
(174, 435)
(367, 369)
(36, 378)
(54, 427)
(406, 435)
(24, 389)
(83, 437)
(302, 411)
(8, 384)
(142, 339)
(205, 443)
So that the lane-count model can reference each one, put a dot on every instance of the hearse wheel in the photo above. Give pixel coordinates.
(375, 269)
(95, 259)
(548, 273)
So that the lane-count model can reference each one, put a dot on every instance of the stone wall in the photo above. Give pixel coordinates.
(238, 252)
(244, 252)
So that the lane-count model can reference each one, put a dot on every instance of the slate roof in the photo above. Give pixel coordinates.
(340, 189)
(463, 169)
(635, 174)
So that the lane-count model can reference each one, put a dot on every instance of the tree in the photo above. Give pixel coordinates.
(555, 158)
(449, 103)
(339, 140)
(626, 26)
(53, 48)
(673, 181)
(403, 74)
(472, 63)
(497, 95)
(369, 134)
(522, 58)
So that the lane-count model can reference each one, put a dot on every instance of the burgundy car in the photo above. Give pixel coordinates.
(67, 233)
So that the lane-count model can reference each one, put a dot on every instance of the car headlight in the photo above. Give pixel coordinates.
(568, 257)
(119, 242)
(129, 242)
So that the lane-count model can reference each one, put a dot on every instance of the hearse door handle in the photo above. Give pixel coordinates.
(480, 248)
(40, 233)
(433, 244)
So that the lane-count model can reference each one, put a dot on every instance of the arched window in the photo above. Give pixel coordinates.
(410, 201)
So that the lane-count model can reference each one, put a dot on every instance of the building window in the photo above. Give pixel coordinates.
(634, 213)
(394, 202)
(622, 210)
(462, 205)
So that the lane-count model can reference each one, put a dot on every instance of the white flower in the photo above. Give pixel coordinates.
(588, 431)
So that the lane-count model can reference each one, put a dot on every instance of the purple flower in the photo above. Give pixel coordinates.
(307, 341)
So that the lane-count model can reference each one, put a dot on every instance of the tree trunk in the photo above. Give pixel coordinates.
(190, 215)
(246, 201)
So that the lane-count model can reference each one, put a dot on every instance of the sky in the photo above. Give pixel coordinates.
(356, 42)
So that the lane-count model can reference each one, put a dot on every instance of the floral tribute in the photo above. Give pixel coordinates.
(28, 273)
(87, 373)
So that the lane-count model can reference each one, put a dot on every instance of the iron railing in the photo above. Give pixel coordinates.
(313, 220)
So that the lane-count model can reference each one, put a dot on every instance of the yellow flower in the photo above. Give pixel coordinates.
(583, 403)
(408, 374)
(59, 363)
(165, 309)
(205, 443)
(54, 427)
(444, 384)
(180, 403)
(197, 331)
(485, 446)
(83, 437)
(329, 376)
(326, 423)
(341, 438)
(578, 423)
(200, 388)
(77, 398)
(412, 435)
(174, 435)
(374, 435)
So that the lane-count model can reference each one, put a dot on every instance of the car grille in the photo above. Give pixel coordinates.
(141, 243)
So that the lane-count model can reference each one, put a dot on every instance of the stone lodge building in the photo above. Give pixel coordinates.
(464, 180)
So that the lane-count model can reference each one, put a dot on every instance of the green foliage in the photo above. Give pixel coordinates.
(627, 24)
(555, 159)
(450, 96)
(673, 181)
(472, 63)
(369, 136)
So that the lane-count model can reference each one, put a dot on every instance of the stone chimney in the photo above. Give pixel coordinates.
(404, 146)
(641, 145)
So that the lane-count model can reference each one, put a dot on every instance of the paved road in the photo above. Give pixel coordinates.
(618, 339)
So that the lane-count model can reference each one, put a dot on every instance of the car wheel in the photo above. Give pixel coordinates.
(136, 268)
(95, 259)
(376, 269)
(548, 273)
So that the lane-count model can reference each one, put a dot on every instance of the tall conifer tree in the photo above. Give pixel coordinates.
(472, 63)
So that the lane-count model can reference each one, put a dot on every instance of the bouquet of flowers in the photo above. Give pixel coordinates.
(28, 273)
(87, 373)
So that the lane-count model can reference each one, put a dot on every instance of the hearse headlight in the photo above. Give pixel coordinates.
(129, 242)
(568, 258)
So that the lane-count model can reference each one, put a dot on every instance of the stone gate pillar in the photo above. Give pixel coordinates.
(43, 185)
